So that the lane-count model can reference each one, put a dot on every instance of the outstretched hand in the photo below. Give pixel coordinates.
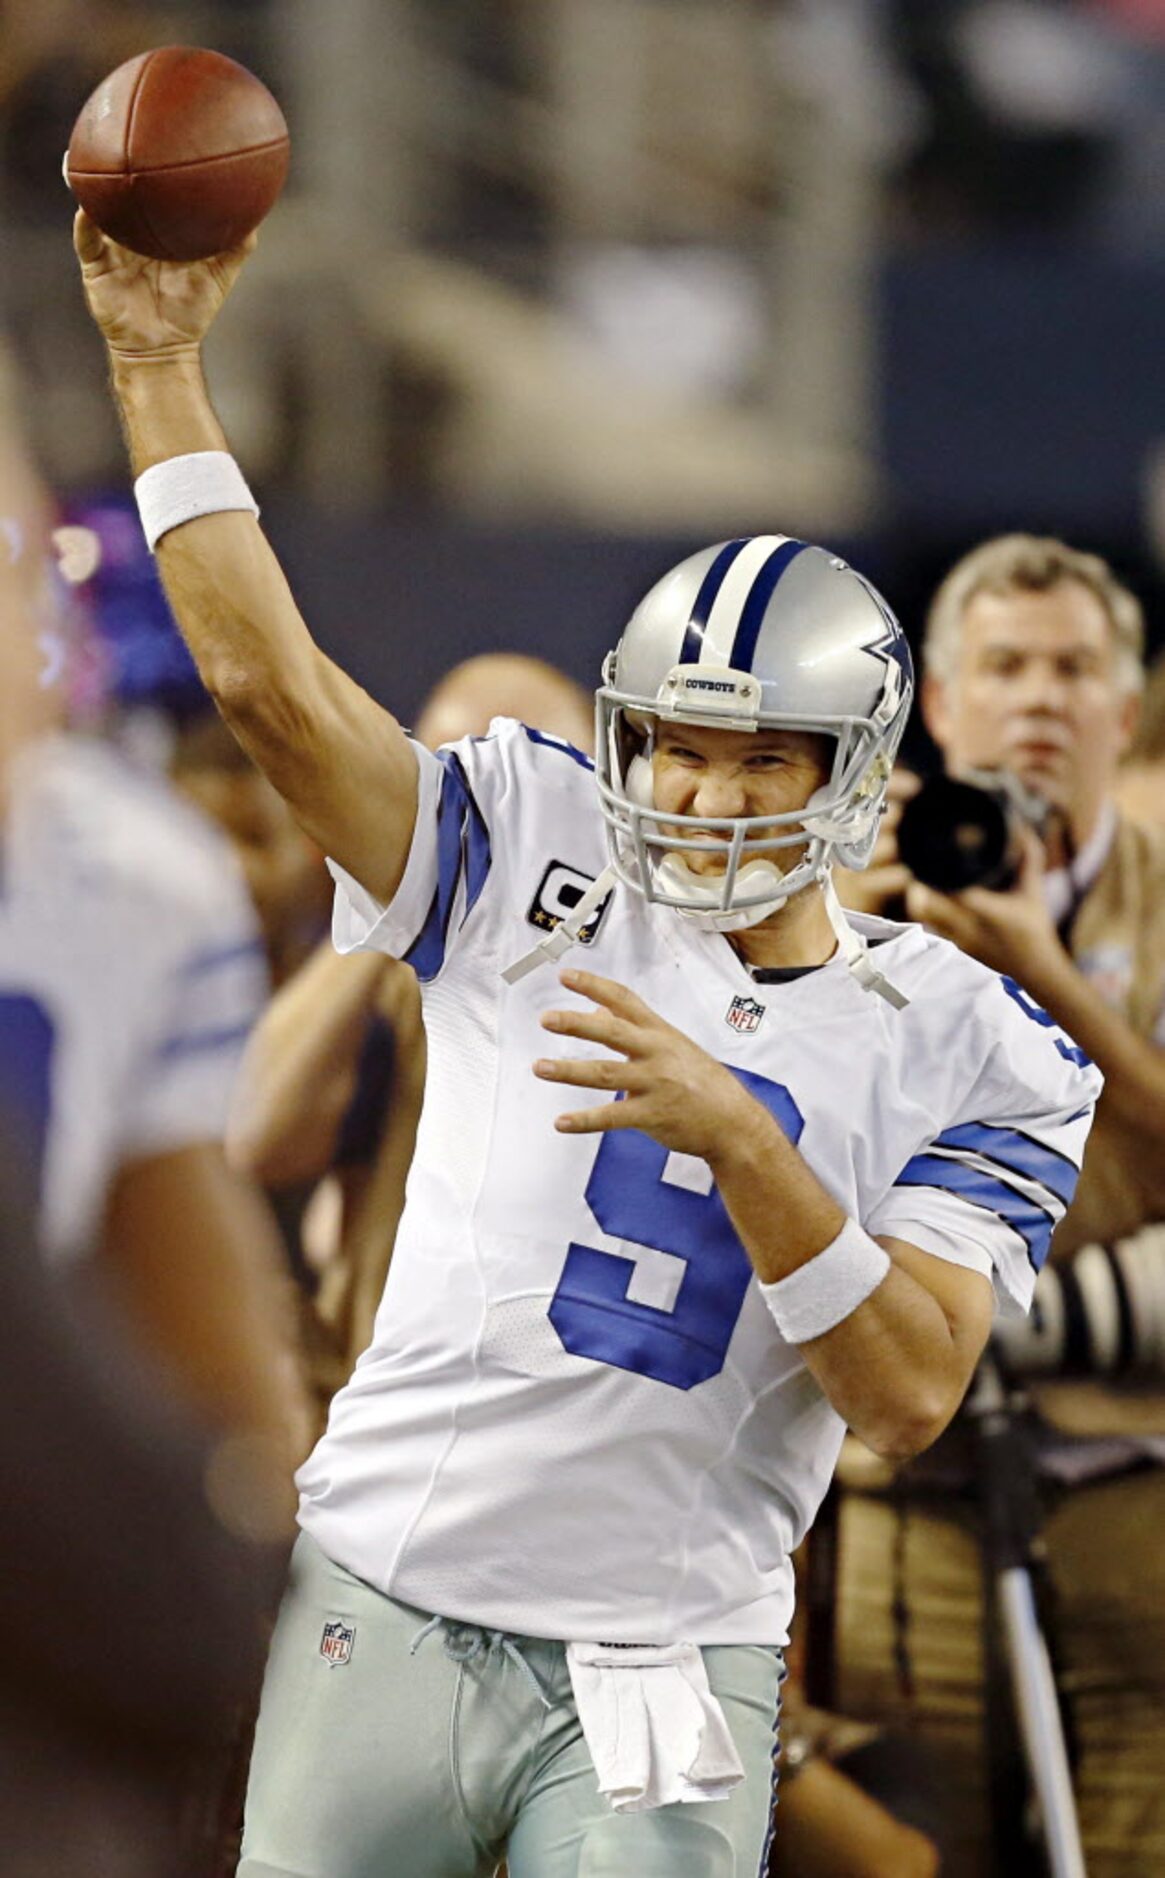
(152, 309)
(671, 1088)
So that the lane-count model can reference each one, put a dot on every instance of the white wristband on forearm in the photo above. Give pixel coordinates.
(828, 1287)
(184, 487)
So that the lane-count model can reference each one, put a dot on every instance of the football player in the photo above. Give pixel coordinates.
(738, 1173)
(130, 973)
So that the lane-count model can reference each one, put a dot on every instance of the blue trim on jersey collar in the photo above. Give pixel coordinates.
(559, 743)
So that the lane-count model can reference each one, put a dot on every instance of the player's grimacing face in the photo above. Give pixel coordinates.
(719, 774)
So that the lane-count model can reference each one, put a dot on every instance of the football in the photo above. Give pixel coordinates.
(179, 153)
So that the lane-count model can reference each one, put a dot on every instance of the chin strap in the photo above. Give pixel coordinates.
(856, 952)
(675, 873)
(566, 932)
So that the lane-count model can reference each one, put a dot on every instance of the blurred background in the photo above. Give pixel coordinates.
(558, 290)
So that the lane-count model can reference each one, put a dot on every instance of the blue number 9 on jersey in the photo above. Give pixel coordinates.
(630, 1199)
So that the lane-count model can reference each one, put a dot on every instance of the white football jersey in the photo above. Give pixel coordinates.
(577, 1418)
(131, 971)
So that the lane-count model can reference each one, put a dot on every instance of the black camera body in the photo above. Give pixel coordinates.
(964, 831)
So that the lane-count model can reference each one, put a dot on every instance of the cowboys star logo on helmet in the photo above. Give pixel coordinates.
(762, 633)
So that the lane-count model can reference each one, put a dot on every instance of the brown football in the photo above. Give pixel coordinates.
(179, 153)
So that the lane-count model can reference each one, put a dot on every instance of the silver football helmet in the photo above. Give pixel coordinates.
(757, 633)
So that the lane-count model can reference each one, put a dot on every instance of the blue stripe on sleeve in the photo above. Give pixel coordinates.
(200, 963)
(709, 588)
(202, 1042)
(1032, 1223)
(27, 1048)
(1020, 1152)
(463, 849)
(753, 612)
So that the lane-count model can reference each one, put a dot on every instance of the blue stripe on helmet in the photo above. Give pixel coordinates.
(710, 587)
(753, 613)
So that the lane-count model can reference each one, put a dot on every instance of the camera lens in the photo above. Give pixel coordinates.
(954, 835)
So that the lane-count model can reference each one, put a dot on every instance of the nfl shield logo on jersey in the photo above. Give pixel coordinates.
(336, 1642)
(744, 1013)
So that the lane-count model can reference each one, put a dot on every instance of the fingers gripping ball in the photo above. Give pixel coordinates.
(178, 154)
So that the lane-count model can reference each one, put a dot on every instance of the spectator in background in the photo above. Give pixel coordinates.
(1140, 782)
(285, 874)
(1033, 667)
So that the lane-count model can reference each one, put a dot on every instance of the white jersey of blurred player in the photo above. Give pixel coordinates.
(131, 970)
(577, 1418)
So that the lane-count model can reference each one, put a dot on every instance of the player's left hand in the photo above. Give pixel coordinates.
(1012, 931)
(671, 1088)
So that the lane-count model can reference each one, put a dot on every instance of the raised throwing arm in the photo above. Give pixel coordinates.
(339, 759)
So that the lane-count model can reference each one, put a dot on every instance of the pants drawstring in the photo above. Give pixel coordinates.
(464, 1642)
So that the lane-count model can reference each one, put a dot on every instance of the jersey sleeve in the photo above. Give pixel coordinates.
(989, 1187)
(475, 799)
(212, 985)
(360, 922)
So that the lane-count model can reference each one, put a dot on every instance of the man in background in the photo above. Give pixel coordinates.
(1033, 672)
(1140, 785)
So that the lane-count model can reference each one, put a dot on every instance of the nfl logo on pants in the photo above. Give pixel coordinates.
(336, 1642)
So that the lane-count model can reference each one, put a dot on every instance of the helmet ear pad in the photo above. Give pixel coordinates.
(640, 783)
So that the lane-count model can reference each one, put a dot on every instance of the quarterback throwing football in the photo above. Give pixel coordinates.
(705, 1173)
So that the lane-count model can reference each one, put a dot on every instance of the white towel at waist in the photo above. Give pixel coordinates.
(655, 1730)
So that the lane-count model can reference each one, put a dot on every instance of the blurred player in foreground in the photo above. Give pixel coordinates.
(131, 1602)
(545, 1579)
(1033, 660)
(130, 974)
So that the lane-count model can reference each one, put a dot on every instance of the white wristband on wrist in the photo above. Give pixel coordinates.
(828, 1287)
(207, 482)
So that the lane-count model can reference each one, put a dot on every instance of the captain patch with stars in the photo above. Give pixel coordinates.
(559, 892)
